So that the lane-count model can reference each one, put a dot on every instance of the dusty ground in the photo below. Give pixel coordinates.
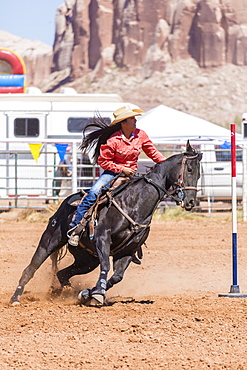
(166, 314)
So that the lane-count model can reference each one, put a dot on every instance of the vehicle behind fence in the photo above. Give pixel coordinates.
(26, 181)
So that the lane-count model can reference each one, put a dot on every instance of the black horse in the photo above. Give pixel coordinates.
(123, 225)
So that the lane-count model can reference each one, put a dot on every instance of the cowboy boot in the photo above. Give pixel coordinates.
(77, 231)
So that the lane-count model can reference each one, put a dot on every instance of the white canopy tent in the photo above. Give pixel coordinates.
(163, 124)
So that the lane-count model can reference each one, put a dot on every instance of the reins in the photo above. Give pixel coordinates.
(180, 183)
(159, 188)
(136, 227)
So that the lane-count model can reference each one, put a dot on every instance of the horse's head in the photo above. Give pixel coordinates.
(180, 173)
(190, 174)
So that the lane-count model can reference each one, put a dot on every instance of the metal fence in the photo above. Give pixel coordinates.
(26, 182)
(29, 183)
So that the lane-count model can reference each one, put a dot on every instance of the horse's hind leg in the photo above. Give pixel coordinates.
(66, 274)
(83, 264)
(55, 258)
(39, 257)
(47, 245)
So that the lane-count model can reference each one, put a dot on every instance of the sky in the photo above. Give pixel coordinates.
(30, 19)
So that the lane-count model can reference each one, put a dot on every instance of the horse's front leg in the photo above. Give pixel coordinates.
(119, 267)
(103, 250)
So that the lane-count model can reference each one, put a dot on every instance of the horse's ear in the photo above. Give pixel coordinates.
(189, 147)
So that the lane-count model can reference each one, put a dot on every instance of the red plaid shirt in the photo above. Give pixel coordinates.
(119, 152)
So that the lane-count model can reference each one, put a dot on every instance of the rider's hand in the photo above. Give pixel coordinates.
(128, 171)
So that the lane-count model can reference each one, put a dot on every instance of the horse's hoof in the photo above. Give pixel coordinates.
(87, 299)
(15, 303)
(97, 300)
(67, 291)
(55, 292)
(84, 297)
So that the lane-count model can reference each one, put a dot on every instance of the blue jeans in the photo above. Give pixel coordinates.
(91, 196)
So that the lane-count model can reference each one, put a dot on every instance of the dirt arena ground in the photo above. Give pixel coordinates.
(165, 314)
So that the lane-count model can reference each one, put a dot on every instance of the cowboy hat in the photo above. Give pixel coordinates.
(125, 112)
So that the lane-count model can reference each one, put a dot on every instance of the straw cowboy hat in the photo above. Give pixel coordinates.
(124, 113)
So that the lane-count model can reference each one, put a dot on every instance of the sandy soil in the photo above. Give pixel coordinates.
(165, 314)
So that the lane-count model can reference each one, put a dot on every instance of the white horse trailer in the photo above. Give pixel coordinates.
(44, 118)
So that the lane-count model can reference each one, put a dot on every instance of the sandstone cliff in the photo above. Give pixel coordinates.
(187, 54)
(181, 53)
(148, 35)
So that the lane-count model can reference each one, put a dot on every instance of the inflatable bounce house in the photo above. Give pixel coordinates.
(12, 72)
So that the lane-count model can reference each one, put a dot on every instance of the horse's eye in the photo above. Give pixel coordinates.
(189, 169)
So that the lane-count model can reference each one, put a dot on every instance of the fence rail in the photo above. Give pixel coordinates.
(26, 182)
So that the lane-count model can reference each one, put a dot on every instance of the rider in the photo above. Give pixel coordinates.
(116, 149)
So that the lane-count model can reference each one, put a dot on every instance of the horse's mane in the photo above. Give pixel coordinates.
(172, 160)
(137, 177)
(174, 157)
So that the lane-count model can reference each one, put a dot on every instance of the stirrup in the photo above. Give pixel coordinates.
(70, 231)
(74, 239)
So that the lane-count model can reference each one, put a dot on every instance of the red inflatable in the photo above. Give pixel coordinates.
(11, 64)
(11, 89)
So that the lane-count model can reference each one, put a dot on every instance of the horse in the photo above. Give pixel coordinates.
(63, 175)
(62, 182)
(123, 225)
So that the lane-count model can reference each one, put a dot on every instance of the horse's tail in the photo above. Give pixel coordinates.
(57, 256)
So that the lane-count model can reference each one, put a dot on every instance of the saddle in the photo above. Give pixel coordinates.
(115, 183)
(90, 218)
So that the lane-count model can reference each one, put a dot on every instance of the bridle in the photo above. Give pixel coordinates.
(178, 193)
(180, 181)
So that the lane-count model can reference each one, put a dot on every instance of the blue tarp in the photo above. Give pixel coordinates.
(225, 145)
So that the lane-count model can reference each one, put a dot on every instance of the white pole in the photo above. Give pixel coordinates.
(234, 286)
(209, 206)
(234, 289)
(74, 167)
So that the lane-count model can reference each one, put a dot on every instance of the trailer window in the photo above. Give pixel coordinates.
(224, 154)
(26, 127)
(77, 124)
